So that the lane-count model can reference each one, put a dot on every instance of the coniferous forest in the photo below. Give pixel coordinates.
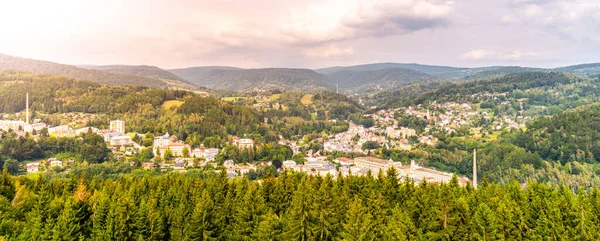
(293, 206)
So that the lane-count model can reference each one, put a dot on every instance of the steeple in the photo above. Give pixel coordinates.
(475, 168)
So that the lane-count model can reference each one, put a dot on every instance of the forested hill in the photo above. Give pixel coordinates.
(249, 80)
(530, 84)
(138, 70)
(198, 74)
(581, 69)
(14, 63)
(373, 80)
(180, 112)
(499, 72)
(294, 206)
(570, 136)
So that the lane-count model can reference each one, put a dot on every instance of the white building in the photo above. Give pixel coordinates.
(161, 141)
(373, 163)
(85, 130)
(14, 125)
(33, 167)
(176, 149)
(55, 162)
(61, 131)
(289, 164)
(243, 143)
(35, 127)
(118, 126)
(419, 173)
(122, 140)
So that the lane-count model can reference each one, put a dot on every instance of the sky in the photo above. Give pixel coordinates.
(302, 34)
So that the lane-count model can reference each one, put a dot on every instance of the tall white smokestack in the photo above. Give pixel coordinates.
(27, 108)
(475, 168)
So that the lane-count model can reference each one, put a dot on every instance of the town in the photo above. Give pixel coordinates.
(173, 154)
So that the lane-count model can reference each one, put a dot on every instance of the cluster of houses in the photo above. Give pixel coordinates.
(178, 148)
(353, 139)
(361, 166)
(34, 167)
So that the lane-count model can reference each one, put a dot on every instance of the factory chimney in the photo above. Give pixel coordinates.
(27, 108)
(475, 168)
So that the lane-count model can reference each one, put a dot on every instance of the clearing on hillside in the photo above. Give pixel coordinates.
(172, 103)
(306, 99)
(234, 98)
(275, 97)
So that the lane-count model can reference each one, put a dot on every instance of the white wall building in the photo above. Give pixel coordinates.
(118, 126)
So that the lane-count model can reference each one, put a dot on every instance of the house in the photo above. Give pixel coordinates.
(109, 135)
(314, 164)
(33, 167)
(148, 165)
(175, 147)
(211, 153)
(55, 162)
(243, 143)
(161, 141)
(121, 141)
(198, 152)
(344, 161)
(289, 164)
(229, 164)
(179, 164)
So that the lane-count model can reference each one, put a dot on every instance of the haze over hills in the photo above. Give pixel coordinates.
(247, 80)
(365, 78)
(198, 74)
(38, 66)
(372, 80)
(138, 70)
(145, 71)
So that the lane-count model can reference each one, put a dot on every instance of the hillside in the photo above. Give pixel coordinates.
(249, 80)
(498, 72)
(542, 93)
(428, 69)
(138, 70)
(581, 69)
(434, 70)
(15, 63)
(372, 80)
(154, 72)
(198, 74)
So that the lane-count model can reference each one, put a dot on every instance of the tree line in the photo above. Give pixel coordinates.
(293, 206)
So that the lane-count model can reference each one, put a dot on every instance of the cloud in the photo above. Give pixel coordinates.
(482, 54)
(569, 19)
(331, 50)
(337, 20)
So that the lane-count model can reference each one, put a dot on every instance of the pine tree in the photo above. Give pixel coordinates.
(201, 228)
(67, 226)
(484, 223)
(268, 229)
(299, 218)
(358, 224)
